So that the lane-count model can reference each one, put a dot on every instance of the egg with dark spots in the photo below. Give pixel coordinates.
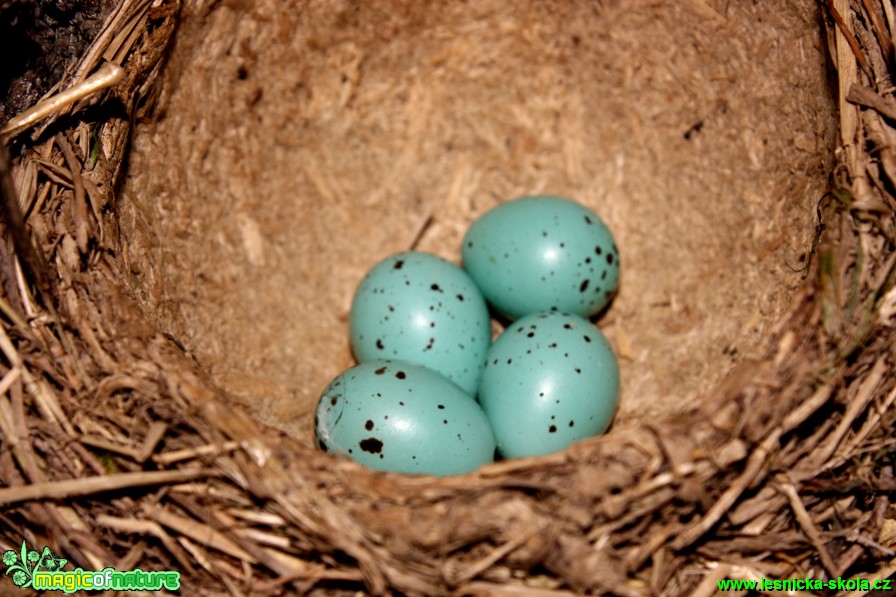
(542, 253)
(420, 308)
(400, 417)
(565, 372)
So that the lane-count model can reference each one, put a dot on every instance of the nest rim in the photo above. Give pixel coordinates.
(204, 492)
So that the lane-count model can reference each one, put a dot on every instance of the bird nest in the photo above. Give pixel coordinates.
(186, 212)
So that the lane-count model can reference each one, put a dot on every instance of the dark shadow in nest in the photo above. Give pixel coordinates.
(45, 38)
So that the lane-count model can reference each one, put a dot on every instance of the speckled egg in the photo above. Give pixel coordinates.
(419, 308)
(542, 253)
(405, 418)
(550, 379)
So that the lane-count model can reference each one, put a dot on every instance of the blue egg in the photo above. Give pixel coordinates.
(542, 253)
(400, 417)
(550, 379)
(419, 308)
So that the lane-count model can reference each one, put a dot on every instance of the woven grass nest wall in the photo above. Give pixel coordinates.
(182, 236)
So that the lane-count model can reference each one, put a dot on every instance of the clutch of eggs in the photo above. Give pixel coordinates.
(421, 331)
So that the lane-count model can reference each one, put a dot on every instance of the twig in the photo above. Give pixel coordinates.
(510, 590)
(865, 97)
(805, 522)
(856, 406)
(754, 465)
(726, 500)
(880, 30)
(94, 485)
(199, 532)
(850, 37)
(147, 527)
(108, 75)
(474, 569)
(82, 224)
(190, 453)
(141, 454)
(11, 214)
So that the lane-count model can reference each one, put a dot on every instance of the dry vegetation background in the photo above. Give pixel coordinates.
(195, 222)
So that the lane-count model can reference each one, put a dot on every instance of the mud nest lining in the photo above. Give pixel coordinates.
(163, 306)
(284, 166)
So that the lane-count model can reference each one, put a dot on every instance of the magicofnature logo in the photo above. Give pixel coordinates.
(23, 565)
(43, 571)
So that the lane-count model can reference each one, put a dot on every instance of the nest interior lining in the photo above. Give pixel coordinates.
(295, 152)
(115, 447)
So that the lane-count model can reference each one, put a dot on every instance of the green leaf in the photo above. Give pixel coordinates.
(24, 554)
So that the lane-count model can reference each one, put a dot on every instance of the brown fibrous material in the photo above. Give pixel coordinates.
(118, 448)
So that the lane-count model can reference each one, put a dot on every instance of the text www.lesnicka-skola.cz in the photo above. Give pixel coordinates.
(805, 584)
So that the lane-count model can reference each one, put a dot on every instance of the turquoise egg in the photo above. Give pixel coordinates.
(542, 253)
(419, 308)
(550, 379)
(401, 417)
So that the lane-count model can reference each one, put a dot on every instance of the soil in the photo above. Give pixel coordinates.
(296, 146)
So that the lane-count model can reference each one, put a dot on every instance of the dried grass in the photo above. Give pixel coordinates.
(117, 449)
